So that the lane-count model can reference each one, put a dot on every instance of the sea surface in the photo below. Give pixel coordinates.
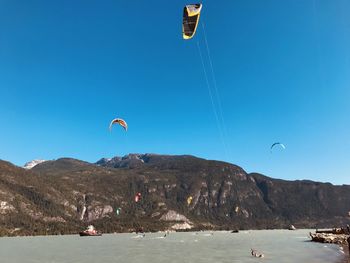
(221, 246)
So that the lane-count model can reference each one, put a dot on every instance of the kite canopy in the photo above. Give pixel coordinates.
(137, 197)
(190, 20)
(277, 143)
(189, 200)
(121, 122)
(117, 211)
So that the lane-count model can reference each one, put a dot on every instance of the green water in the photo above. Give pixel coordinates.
(278, 246)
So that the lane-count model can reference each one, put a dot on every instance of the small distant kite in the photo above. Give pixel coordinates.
(189, 200)
(117, 211)
(137, 197)
(190, 20)
(277, 143)
(121, 122)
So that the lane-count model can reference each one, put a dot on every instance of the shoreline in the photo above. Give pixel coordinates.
(338, 237)
(172, 231)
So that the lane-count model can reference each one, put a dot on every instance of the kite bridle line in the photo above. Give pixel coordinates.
(211, 97)
(216, 92)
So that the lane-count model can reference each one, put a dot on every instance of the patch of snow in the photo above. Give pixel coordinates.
(31, 164)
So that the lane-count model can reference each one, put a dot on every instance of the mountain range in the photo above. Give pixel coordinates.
(180, 192)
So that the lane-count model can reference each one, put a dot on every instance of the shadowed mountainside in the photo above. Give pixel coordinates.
(65, 195)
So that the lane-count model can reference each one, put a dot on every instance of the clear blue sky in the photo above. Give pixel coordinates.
(282, 70)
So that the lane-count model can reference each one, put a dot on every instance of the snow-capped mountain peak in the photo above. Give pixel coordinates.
(31, 164)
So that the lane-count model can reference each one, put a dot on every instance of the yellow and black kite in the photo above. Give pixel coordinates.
(190, 20)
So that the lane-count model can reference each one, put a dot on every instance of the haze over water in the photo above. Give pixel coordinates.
(279, 246)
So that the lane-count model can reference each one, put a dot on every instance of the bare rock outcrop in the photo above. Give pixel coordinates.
(172, 215)
(98, 212)
(181, 226)
(5, 207)
(340, 239)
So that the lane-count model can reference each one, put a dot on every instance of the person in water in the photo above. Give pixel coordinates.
(256, 254)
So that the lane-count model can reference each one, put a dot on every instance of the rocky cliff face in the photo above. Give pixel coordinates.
(64, 195)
